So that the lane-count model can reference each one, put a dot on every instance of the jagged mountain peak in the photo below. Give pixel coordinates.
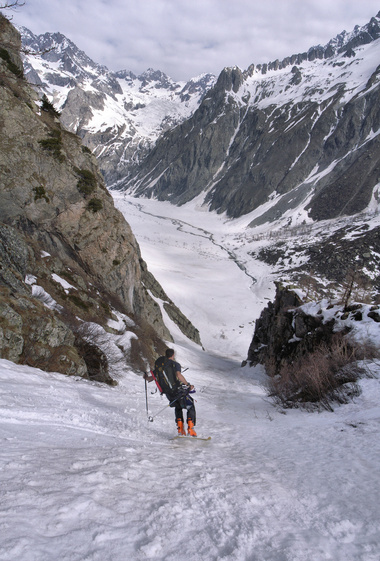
(358, 36)
(152, 74)
(125, 75)
(160, 79)
(56, 47)
(48, 40)
(255, 85)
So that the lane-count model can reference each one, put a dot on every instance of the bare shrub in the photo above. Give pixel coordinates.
(11, 5)
(357, 287)
(326, 375)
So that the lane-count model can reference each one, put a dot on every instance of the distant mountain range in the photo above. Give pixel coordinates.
(294, 139)
(297, 138)
(118, 115)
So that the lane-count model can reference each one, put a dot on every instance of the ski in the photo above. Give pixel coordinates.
(178, 437)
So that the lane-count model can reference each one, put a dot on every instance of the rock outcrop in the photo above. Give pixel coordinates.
(170, 308)
(67, 254)
(281, 327)
(287, 331)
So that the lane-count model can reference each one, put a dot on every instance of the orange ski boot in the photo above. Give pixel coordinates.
(190, 428)
(180, 428)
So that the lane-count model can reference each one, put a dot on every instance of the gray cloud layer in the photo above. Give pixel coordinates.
(185, 38)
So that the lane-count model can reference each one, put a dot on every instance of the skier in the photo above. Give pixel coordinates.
(172, 383)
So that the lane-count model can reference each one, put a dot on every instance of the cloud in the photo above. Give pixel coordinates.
(187, 37)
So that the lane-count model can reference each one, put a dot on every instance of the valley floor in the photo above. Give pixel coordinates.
(85, 476)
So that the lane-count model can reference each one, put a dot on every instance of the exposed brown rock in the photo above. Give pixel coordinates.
(58, 221)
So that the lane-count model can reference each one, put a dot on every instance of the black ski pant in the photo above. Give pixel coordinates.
(187, 403)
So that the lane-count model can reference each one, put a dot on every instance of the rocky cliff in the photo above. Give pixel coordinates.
(68, 257)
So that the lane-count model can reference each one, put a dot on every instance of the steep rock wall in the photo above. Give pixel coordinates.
(58, 225)
(285, 331)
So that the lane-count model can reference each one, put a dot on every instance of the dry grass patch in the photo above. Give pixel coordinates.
(328, 374)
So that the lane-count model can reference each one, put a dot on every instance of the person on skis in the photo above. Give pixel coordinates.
(171, 382)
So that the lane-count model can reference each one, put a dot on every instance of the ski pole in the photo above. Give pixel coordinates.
(146, 399)
(150, 417)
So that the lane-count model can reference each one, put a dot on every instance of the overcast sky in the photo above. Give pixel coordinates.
(185, 38)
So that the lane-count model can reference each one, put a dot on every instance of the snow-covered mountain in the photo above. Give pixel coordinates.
(118, 115)
(296, 135)
(299, 135)
(285, 143)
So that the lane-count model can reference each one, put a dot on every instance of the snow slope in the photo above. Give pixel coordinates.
(85, 476)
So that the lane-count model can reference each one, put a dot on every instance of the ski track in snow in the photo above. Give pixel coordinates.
(85, 476)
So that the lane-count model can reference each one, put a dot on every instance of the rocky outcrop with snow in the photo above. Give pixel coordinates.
(311, 348)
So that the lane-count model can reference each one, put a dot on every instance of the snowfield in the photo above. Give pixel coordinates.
(85, 476)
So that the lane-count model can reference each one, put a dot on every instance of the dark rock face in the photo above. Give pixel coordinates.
(14, 255)
(275, 328)
(348, 189)
(33, 335)
(96, 361)
(240, 176)
(284, 332)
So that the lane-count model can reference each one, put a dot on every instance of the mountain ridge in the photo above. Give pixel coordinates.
(121, 116)
(118, 115)
(287, 144)
(343, 42)
(258, 134)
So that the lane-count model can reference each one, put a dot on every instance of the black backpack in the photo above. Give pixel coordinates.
(164, 371)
